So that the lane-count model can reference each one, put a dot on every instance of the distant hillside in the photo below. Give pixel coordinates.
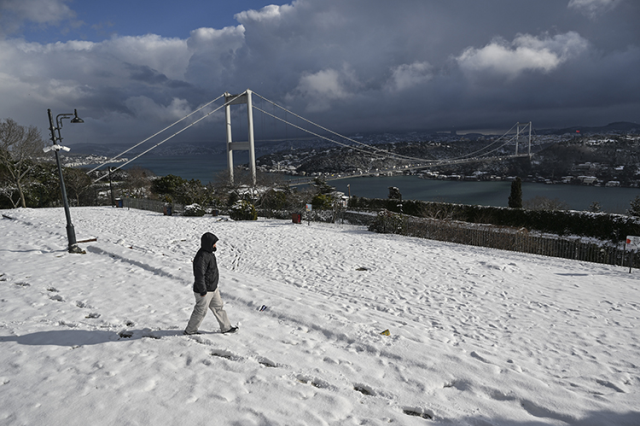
(176, 148)
(620, 126)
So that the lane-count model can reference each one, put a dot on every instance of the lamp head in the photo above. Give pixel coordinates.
(76, 119)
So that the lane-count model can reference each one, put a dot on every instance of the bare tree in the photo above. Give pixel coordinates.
(138, 182)
(9, 192)
(20, 147)
(77, 182)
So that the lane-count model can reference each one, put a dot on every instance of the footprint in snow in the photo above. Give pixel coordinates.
(364, 389)
(477, 356)
(418, 412)
(266, 362)
(316, 383)
(221, 353)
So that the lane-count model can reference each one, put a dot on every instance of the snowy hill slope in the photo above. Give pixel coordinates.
(477, 336)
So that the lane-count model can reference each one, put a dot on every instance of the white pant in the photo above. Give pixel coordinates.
(213, 301)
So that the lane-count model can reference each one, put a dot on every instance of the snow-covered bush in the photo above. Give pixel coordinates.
(243, 210)
(194, 210)
(387, 222)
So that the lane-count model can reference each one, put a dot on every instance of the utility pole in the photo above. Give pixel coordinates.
(113, 201)
(71, 233)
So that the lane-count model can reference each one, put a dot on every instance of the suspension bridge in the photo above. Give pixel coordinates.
(505, 147)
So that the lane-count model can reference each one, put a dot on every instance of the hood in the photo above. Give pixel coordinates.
(207, 241)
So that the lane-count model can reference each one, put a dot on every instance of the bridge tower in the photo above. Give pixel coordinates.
(244, 98)
(521, 128)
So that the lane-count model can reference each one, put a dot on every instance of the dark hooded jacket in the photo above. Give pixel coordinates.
(205, 267)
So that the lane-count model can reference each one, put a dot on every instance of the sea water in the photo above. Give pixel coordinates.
(207, 167)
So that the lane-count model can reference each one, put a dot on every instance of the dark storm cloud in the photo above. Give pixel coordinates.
(146, 74)
(425, 64)
(353, 66)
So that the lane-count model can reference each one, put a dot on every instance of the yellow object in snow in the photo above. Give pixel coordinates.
(386, 333)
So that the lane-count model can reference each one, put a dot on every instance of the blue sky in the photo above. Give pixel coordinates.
(131, 68)
(99, 20)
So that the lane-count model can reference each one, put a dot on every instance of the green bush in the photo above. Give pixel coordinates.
(388, 223)
(167, 185)
(322, 202)
(275, 200)
(194, 210)
(243, 210)
(233, 199)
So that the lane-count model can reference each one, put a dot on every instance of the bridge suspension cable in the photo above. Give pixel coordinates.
(175, 134)
(377, 151)
(473, 154)
(355, 145)
(153, 136)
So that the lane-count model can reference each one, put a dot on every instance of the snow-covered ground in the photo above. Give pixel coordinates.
(477, 336)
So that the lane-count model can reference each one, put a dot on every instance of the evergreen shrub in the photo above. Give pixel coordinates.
(322, 202)
(194, 210)
(243, 210)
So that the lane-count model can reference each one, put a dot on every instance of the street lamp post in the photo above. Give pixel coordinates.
(113, 202)
(71, 233)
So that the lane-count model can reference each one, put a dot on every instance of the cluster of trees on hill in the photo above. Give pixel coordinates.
(28, 177)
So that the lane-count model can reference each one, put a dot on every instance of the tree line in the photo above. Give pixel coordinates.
(29, 178)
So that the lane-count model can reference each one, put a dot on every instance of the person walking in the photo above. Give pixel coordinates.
(205, 288)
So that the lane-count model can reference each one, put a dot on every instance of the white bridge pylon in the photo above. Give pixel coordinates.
(243, 98)
(521, 128)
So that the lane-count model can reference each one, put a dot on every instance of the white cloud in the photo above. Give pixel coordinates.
(226, 38)
(525, 53)
(593, 8)
(13, 13)
(94, 67)
(267, 13)
(39, 11)
(406, 76)
(346, 63)
(321, 88)
(168, 56)
(213, 55)
(324, 83)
